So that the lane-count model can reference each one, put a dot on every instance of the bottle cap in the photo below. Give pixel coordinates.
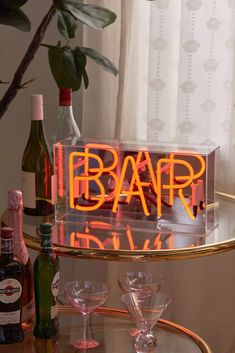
(15, 200)
(45, 228)
(6, 232)
(36, 107)
(65, 96)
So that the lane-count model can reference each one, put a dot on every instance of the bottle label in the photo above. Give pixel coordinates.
(55, 285)
(11, 317)
(29, 189)
(10, 290)
(28, 311)
(54, 311)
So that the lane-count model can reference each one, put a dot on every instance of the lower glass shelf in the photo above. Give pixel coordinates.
(110, 327)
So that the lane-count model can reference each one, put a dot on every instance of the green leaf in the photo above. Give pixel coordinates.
(65, 67)
(15, 18)
(85, 79)
(66, 24)
(12, 4)
(79, 59)
(100, 59)
(80, 62)
(92, 15)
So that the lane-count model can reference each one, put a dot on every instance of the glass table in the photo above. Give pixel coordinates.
(96, 240)
(111, 328)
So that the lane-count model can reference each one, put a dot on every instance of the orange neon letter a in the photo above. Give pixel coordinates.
(138, 192)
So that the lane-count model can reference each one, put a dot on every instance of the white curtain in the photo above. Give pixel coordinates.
(176, 84)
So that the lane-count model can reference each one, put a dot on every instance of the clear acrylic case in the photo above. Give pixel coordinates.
(133, 195)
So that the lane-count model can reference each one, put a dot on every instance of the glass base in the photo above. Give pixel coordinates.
(85, 344)
(145, 342)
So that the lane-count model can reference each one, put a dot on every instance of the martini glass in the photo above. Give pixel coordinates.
(145, 312)
(86, 296)
(143, 283)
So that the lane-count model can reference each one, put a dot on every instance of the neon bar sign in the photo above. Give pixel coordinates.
(87, 168)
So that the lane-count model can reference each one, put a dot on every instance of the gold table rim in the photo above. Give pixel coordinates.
(136, 255)
(165, 324)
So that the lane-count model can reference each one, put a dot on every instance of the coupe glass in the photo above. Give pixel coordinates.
(145, 312)
(144, 283)
(86, 296)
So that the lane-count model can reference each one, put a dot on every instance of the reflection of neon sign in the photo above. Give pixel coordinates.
(89, 240)
(87, 168)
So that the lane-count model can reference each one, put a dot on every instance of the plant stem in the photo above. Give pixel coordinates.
(15, 85)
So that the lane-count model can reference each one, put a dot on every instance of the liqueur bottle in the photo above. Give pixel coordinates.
(37, 166)
(20, 252)
(11, 288)
(46, 286)
(66, 125)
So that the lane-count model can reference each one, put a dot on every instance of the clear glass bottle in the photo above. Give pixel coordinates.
(20, 252)
(66, 126)
(11, 288)
(46, 286)
(37, 166)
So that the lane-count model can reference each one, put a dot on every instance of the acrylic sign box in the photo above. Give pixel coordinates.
(132, 196)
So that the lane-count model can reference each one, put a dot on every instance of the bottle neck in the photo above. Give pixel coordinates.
(6, 248)
(66, 125)
(65, 112)
(19, 247)
(46, 246)
(37, 128)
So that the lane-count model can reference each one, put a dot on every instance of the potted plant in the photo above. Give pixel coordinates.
(67, 64)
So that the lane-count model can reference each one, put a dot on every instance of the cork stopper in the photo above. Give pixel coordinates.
(45, 228)
(6, 232)
(45, 233)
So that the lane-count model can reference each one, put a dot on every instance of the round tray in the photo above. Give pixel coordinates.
(110, 327)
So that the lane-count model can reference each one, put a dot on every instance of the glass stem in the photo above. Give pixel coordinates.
(86, 317)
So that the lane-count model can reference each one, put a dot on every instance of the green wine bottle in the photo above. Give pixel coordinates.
(46, 286)
(37, 166)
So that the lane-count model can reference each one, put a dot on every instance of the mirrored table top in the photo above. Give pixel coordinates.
(111, 328)
(98, 240)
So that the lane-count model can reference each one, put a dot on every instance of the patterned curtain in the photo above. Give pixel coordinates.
(191, 77)
(176, 76)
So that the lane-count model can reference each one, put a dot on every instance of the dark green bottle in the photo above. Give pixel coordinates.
(46, 286)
